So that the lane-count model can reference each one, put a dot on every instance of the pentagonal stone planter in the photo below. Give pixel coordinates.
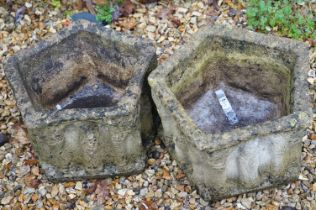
(81, 96)
(234, 107)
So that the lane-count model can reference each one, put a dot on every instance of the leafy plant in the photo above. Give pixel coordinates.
(111, 10)
(284, 17)
(56, 3)
(104, 12)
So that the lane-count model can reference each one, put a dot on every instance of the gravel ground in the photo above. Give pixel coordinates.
(162, 185)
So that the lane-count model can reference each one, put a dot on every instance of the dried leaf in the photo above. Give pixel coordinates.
(180, 175)
(35, 171)
(175, 21)
(148, 205)
(312, 136)
(129, 24)
(127, 8)
(235, 5)
(314, 187)
(166, 175)
(31, 181)
(31, 162)
(69, 184)
(20, 135)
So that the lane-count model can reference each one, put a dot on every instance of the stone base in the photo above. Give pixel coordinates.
(259, 163)
(56, 175)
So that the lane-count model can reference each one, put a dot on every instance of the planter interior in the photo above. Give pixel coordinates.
(257, 87)
(76, 74)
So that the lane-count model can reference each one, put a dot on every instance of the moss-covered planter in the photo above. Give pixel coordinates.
(263, 78)
(82, 97)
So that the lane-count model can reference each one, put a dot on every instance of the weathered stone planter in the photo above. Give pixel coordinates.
(80, 95)
(263, 78)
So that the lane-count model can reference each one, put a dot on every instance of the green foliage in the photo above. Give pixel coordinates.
(104, 12)
(68, 13)
(56, 3)
(283, 16)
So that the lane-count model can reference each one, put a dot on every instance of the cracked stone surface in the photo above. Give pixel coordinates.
(264, 149)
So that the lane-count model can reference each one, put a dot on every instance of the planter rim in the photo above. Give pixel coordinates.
(298, 119)
(128, 102)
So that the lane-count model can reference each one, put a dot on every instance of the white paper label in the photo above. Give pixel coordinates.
(226, 106)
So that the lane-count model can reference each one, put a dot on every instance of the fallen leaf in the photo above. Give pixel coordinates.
(180, 175)
(175, 21)
(128, 24)
(182, 28)
(31, 162)
(127, 7)
(314, 187)
(166, 175)
(31, 181)
(180, 187)
(148, 205)
(312, 136)
(20, 135)
(7, 167)
(69, 184)
(34, 197)
(35, 171)
(66, 23)
(157, 141)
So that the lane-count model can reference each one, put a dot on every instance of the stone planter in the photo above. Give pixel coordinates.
(81, 96)
(263, 79)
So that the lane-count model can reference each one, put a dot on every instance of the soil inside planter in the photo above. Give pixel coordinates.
(82, 71)
(257, 88)
(208, 114)
(85, 84)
